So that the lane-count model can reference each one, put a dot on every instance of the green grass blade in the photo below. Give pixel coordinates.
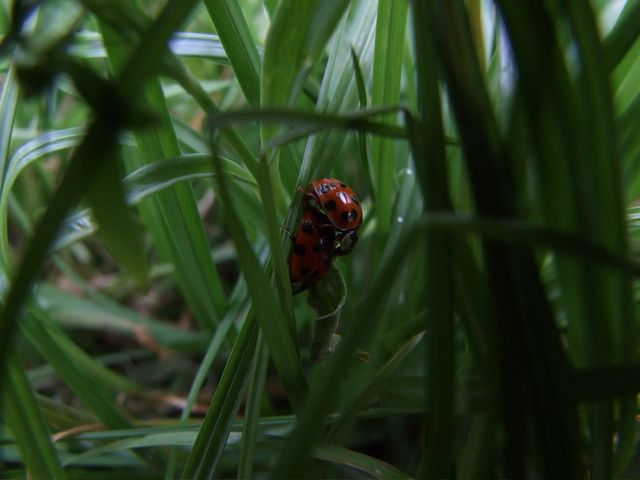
(339, 88)
(151, 179)
(83, 169)
(28, 153)
(252, 411)
(289, 52)
(100, 313)
(522, 233)
(27, 424)
(523, 315)
(203, 370)
(362, 97)
(364, 463)
(8, 103)
(387, 71)
(314, 122)
(239, 46)
(626, 31)
(117, 227)
(293, 458)
(172, 217)
(616, 294)
(348, 414)
(428, 147)
(477, 449)
(86, 377)
(215, 428)
(577, 164)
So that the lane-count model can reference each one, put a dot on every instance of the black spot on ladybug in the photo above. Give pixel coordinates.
(349, 216)
(307, 227)
(342, 185)
(322, 219)
(330, 205)
(304, 271)
(299, 249)
(315, 273)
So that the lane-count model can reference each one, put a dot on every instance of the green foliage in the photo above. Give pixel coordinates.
(151, 159)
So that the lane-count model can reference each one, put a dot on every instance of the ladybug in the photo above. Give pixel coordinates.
(337, 201)
(312, 251)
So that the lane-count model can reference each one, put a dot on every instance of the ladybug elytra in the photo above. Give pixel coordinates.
(337, 201)
(312, 250)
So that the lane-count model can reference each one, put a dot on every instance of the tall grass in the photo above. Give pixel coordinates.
(151, 155)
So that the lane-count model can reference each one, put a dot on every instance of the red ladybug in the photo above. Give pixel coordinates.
(337, 201)
(312, 251)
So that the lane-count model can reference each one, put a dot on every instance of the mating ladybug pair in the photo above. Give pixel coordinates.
(331, 218)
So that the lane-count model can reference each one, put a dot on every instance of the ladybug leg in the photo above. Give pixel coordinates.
(292, 237)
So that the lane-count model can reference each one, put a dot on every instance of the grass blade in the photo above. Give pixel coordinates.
(429, 150)
(268, 310)
(359, 461)
(83, 169)
(172, 217)
(252, 415)
(293, 458)
(524, 317)
(120, 232)
(215, 428)
(387, 71)
(27, 424)
(289, 52)
(238, 45)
